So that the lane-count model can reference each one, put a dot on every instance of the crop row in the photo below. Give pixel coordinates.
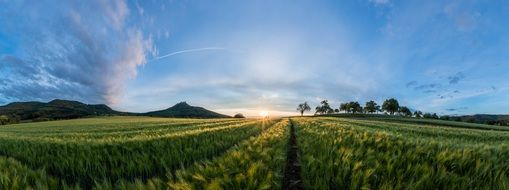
(14, 176)
(256, 163)
(86, 163)
(98, 124)
(122, 136)
(449, 123)
(106, 131)
(446, 135)
(347, 155)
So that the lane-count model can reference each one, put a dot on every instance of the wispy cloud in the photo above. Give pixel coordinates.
(380, 2)
(80, 55)
(115, 12)
(454, 79)
(411, 83)
(431, 86)
(463, 14)
(457, 109)
(188, 51)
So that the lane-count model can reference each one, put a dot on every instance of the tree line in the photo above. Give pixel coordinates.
(390, 106)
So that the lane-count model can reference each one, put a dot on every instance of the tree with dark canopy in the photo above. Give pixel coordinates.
(405, 111)
(446, 117)
(390, 105)
(371, 107)
(418, 114)
(303, 108)
(343, 107)
(239, 115)
(4, 120)
(324, 108)
(354, 107)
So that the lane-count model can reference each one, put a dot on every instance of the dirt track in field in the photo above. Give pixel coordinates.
(292, 178)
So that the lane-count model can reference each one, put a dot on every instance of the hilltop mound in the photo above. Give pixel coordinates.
(183, 109)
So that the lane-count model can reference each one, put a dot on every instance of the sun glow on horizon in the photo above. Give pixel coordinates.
(264, 113)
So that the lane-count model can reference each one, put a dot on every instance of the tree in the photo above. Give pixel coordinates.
(434, 116)
(343, 107)
(471, 120)
(239, 115)
(354, 107)
(324, 108)
(405, 111)
(303, 108)
(4, 120)
(336, 110)
(371, 107)
(445, 117)
(390, 105)
(428, 115)
(418, 114)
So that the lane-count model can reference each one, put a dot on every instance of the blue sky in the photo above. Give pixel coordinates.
(448, 57)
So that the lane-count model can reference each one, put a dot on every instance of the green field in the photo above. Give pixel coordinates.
(334, 153)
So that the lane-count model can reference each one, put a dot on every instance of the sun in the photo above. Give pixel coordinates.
(264, 113)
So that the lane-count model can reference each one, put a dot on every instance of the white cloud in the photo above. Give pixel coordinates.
(116, 12)
(81, 55)
(463, 14)
(141, 11)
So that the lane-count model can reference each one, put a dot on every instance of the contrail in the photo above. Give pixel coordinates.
(188, 51)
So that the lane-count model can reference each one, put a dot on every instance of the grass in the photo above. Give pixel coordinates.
(436, 122)
(155, 148)
(14, 175)
(422, 121)
(335, 153)
(355, 154)
(257, 163)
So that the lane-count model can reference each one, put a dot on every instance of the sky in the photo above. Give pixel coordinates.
(448, 57)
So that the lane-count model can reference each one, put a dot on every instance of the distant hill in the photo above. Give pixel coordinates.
(56, 109)
(66, 109)
(183, 109)
(483, 118)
